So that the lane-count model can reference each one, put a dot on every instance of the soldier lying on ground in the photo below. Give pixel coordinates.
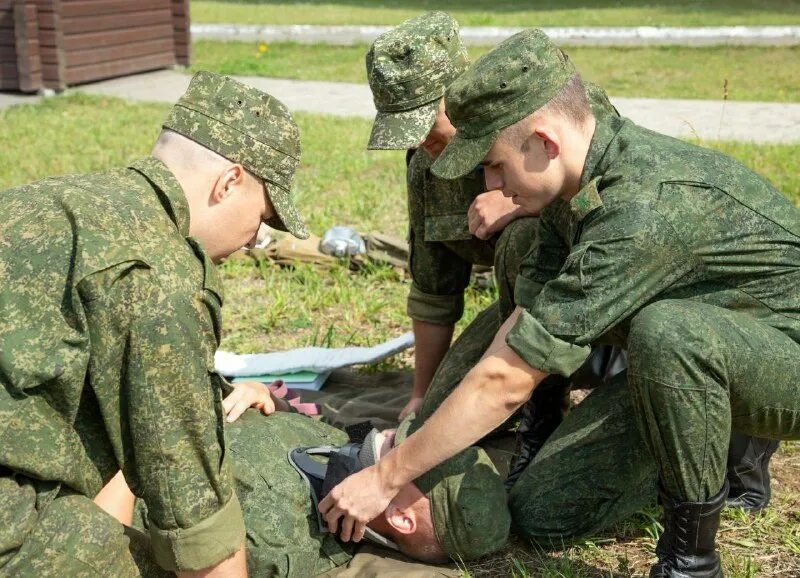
(456, 511)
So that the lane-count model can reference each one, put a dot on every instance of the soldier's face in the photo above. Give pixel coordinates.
(238, 203)
(441, 133)
(526, 167)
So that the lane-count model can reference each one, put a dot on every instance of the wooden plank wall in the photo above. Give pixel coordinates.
(55, 43)
(9, 77)
(51, 44)
(104, 38)
(26, 29)
(180, 24)
(20, 64)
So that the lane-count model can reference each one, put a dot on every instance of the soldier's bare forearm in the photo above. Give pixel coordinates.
(431, 344)
(117, 499)
(487, 396)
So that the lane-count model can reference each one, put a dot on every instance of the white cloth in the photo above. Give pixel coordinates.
(318, 359)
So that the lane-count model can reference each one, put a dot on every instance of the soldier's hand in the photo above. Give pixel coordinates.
(357, 500)
(489, 213)
(412, 406)
(247, 394)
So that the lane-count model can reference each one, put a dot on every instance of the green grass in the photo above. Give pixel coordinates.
(752, 73)
(504, 12)
(268, 307)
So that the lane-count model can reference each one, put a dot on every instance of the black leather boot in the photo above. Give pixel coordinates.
(541, 415)
(748, 471)
(687, 548)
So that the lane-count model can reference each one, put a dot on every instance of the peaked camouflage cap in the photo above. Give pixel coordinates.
(409, 67)
(468, 501)
(249, 127)
(516, 78)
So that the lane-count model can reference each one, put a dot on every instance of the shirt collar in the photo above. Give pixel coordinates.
(169, 190)
(601, 150)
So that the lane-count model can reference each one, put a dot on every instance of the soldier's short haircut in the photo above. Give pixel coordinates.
(570, 102)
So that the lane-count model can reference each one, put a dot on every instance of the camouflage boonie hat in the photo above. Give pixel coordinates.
(409, 67)
(249, 127)
(468, 502)
(504, 86)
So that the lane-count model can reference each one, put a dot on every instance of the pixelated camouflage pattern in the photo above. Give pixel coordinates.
(441, 248)
(697, 368)
(664, 243)
(517, 77)
(408, 68)
(468, 500)
(109, 319)
(597, 446)
(246, 126)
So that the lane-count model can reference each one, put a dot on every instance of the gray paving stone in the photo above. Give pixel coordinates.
(489, 35)
(706, 119)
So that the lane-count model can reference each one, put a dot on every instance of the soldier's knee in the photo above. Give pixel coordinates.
(668, 337)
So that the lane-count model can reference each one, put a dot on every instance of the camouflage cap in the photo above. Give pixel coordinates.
(468, 502)
(504, 86)
(409, 67)
(246, 126)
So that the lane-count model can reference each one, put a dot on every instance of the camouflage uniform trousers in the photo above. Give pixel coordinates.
(47, 530)
(593, 471)
(698, 372)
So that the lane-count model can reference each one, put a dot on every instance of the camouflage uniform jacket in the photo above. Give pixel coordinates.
(283, 535)
(442, 251)
(655, 218)
(441, 248)
(109, 319)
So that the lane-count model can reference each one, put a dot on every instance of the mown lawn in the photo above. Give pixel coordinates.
(503, 12)
(270, 308)
(752, 73)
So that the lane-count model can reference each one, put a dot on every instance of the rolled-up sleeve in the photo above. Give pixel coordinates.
(625, 258)
(439, 277)
(153, 374)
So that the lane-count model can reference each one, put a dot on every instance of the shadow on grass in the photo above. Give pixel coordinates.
(732, 7)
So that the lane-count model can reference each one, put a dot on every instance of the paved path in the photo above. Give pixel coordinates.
(706, 119)
(489, 35)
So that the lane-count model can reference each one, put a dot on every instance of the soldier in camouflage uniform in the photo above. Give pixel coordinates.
(679, 253)
(109, 319)
(453, 225)
(283, 534)
(409, 68)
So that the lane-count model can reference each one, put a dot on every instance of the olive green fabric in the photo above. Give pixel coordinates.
(408, 68)
(58, 533)
(442, 251)
(101, 291)
(468, 500)
(350, 397)
(663, 223)
(593, 471)
(698, 371)
(283, 536)
(246, 126)
(516, 78)
(376, 562)
(656, 218)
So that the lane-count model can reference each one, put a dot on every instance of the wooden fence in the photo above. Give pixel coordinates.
(55, 43)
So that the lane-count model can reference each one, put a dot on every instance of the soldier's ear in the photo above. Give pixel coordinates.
(550, 141)
(403, 520)
(228, 181)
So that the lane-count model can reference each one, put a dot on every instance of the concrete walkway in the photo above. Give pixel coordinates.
(706, 119)
(490, 35)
